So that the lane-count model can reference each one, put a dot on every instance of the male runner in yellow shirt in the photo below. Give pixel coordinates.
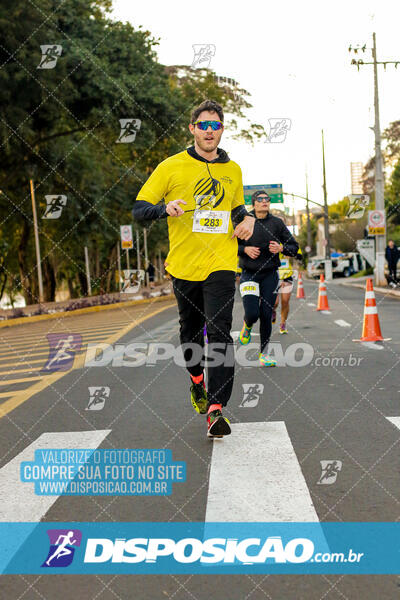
(203, 194)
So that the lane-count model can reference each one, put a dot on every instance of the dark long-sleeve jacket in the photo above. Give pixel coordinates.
(392, 255)
(270, 229)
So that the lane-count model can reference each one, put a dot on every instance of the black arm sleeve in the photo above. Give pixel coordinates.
(145, 211)
(238, 214)
(241, 247)
(290, 246)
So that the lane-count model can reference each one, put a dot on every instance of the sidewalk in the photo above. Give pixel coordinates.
(360, 283)
(82, 305)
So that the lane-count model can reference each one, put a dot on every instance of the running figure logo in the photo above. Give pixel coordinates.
(63, 347)
(97, 397)
(203, 54)
(251, 394)
(278, 130)
(129, 129)
(62, 547)
(55, 204)
(329, 471)
(50, 54)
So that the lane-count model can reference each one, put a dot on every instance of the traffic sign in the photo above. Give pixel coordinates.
(308, 249)
(367, 249)
(126, 237)
(376, 222)
(273, 189)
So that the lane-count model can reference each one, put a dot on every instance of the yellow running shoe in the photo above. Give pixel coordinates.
(245, 335)
(265, 361)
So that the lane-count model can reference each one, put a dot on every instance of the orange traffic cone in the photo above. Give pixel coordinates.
(322, 295)
(300, 287)
(371, 331)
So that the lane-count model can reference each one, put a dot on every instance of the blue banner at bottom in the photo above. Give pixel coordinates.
(215, 548)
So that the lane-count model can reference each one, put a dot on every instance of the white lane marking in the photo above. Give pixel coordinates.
(255, 476)
(395, 421)
(18, 500)
(311, 304)
(372, 345)
(342, 323)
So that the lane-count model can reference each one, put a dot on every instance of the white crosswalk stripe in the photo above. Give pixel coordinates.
(18, 500)
(255, 476)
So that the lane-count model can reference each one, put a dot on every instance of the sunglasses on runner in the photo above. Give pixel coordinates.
(204, 125)
(262, 199)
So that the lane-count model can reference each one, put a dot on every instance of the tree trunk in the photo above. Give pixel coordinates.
(49, 281)
(70, 287)
(97, 270)
(3, 285)
(26, 286)
(111, 268)
(82, 283)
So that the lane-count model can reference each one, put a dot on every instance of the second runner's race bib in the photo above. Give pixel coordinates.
(211, 221)
(249, 288)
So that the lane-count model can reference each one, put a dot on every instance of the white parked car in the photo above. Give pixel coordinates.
(342, 266)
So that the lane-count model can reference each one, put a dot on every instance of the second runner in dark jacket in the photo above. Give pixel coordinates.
(269, 229)
(259, 260)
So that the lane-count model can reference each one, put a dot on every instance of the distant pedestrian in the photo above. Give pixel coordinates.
(392, 255)
(150, 271)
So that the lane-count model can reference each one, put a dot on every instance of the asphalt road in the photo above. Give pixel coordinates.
(334, 408)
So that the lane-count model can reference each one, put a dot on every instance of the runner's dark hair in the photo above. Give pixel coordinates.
(259, 193)
(209, 105)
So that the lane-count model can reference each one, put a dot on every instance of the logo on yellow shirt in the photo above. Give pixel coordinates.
(208, 192)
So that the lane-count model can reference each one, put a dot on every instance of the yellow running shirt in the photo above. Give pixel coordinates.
(193, 255)
(286, 269)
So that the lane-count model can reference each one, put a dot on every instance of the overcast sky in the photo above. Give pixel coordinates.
(293, 58)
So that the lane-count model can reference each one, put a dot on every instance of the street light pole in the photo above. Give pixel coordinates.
(37, 246)
(146, 258)
(328, 262)
(326, 214)
(89, 285)
(138, 265)
(309, 243)
(119, 266)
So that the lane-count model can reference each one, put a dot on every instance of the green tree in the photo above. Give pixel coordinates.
(60, 126)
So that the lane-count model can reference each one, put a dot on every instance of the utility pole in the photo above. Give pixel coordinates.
(37, 245)
(309, 242)
(328, 263)
(379, 183)
(379, 177)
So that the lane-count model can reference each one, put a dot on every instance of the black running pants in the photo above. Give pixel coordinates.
(211, 302)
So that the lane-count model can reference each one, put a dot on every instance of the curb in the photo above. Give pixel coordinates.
(380, 290)
(82, 311)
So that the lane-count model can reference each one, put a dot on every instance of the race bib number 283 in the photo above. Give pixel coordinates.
(211, 221)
